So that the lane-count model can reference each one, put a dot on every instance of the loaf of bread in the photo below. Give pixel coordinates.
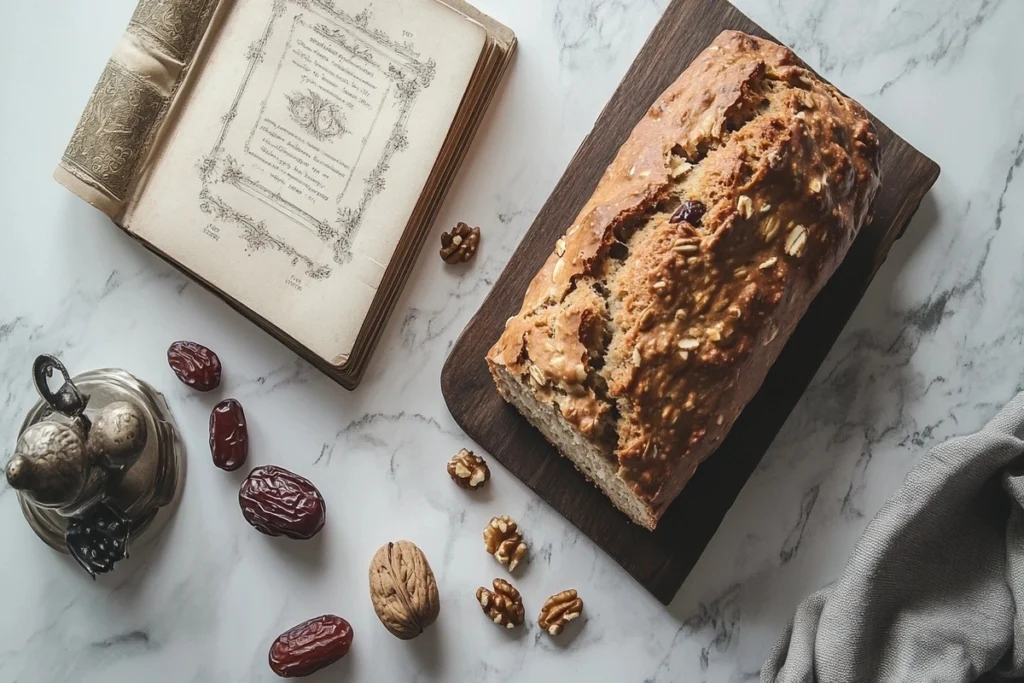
(661, 309)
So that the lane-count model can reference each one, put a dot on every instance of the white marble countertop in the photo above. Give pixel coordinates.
(933, 350)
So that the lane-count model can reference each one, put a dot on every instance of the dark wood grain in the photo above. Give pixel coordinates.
(661, 560)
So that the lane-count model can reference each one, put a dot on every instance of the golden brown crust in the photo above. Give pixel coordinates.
(651, 333)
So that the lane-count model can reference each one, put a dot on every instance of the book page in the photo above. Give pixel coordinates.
(301, 151)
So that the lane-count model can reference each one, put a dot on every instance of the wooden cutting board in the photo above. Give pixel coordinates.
(661, 560)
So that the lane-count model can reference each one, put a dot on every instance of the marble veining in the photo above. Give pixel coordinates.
(933, 350)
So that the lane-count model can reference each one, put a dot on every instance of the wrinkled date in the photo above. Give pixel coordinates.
(280, 503)
(195, 365)
(229, 435)
(310, 646)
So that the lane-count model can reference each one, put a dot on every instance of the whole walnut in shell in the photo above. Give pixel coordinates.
(403, 590)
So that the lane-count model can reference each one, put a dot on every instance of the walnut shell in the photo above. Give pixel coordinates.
(403, 590)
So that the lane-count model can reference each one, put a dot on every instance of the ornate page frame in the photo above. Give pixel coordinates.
(408, 74)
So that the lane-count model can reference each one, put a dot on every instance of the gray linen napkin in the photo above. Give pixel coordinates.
(931, 589)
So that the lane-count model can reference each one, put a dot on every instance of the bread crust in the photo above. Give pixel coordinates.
(651, 333)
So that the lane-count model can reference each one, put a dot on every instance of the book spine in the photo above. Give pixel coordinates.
(129, 104)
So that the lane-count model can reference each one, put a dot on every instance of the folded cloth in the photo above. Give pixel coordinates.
(931, 590)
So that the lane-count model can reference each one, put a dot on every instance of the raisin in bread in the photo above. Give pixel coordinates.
(661, 309)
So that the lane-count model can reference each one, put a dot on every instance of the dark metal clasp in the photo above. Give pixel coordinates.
(67, 400)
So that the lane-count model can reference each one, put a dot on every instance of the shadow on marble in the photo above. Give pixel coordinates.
(565, 639)
(482, 496)
(923, 223)
(345, 670)
(132, 576)
(428, 650)
(305, 557)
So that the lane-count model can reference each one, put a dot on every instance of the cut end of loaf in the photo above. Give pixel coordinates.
(596, 463)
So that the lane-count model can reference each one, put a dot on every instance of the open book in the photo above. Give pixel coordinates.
(289, 154)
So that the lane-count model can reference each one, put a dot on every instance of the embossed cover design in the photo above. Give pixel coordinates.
(289, 154)
(114, 132)
(176, 25)
(130, 102)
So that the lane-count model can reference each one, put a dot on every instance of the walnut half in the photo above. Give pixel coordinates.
(459, 244)
(503, 539)
(504, 606)
(468, 470)
(558, 610)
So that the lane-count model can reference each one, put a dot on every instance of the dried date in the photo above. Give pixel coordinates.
(281, 503)
(310, 646)
(195, 365)
(229, 435)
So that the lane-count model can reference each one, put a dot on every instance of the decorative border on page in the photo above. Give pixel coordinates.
(408, 74)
